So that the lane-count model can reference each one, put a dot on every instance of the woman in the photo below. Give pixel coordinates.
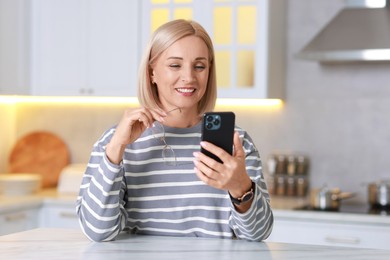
(147, 176)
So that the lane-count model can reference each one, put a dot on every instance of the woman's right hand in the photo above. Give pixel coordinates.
(131, 126)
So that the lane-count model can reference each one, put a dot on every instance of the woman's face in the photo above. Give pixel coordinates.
(181, 73)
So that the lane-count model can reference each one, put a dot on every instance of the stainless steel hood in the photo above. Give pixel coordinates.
(355, 34)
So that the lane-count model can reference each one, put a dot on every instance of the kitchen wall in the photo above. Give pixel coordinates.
(335, 114)
(80, 125)
(7, 132)
(338, 114)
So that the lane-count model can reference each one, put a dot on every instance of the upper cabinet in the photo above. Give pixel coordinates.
(248, 36)
(84, 47)
(14, 47)
(93, 47)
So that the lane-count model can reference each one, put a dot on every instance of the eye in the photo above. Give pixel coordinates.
(200, 67)
(174, 65)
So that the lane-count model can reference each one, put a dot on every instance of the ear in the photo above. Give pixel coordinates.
(151, 74)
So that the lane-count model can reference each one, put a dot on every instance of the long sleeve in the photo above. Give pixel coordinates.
(255, 224)
(100, 204)
(144, 195)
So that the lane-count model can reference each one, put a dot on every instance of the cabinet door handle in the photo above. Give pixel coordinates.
(15, 217)
(342, 240)
(67, 215)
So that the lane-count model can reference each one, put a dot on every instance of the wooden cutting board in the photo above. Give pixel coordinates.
(42, 153)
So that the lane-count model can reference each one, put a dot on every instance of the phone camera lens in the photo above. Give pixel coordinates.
(209, 125)
(209, 118)
(216, 122)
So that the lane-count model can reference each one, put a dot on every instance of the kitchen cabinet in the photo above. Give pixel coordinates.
(54, 215)
(14, 47)
(59, 216)
(93, 47)
(248, 36)
(18, 220)
(45, 209)
(84, 47)
(316, 230)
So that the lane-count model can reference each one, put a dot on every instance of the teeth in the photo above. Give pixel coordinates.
(186, 90)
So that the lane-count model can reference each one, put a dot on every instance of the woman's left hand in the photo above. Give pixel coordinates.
(230, 175)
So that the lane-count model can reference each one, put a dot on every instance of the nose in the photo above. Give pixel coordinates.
(187, 75)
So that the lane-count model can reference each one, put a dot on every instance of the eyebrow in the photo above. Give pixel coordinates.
(179, 58)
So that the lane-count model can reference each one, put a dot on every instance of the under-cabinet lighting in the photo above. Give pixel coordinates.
(126, 101)
(243, 102)
(366, 3)
(69, 100)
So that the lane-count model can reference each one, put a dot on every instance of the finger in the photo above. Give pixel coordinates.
(207, 161)
(158, 114)
(148, 116)
(206, 170)
(144, 118)
(238, 148)
(205, 178)
(219, 152)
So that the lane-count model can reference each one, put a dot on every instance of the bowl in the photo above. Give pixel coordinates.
(17, 184)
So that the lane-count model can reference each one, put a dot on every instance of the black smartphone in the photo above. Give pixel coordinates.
(218, 128)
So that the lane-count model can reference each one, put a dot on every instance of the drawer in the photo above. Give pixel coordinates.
(17, 221)
(332, 234)
(59, 217)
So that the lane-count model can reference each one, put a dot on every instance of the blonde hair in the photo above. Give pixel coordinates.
(162, 38)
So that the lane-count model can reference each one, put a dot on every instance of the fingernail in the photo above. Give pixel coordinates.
(195, 154)
(203, 144)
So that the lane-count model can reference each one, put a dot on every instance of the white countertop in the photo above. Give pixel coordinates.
(72, 244)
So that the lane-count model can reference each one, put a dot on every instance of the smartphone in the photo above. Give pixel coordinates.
(218, 128)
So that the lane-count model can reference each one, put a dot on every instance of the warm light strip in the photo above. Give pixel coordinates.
(126, 100)
(68, 100)
(243, 102)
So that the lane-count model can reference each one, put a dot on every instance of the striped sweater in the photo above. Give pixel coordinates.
(144, 195)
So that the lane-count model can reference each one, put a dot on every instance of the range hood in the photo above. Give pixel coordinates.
(355, 34)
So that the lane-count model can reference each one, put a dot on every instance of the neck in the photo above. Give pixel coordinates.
(182, 118)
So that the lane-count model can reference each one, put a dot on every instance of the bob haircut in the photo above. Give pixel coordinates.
(162, 38)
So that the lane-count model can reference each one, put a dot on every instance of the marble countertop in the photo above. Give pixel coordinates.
(72, 244)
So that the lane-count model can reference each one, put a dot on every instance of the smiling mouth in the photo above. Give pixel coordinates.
(185, 90)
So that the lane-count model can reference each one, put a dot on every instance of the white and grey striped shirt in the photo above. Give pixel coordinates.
(144, 195)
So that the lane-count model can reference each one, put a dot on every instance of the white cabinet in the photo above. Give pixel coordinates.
(19, 220)
(333, 233)
(14, 47)
(59, 216)
(93, 47)
(84, 47)
(249, 40)
(23, 213)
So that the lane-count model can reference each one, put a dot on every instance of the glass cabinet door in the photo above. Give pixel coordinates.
(240, 33)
